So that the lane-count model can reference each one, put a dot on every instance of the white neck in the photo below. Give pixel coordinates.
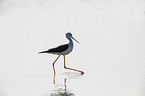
(70, 41)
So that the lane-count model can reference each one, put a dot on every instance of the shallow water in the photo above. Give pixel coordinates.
(111, 50)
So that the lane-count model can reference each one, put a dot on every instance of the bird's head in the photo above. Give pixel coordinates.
(69, 35)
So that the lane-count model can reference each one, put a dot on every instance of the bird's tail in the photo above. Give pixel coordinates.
(43, 52)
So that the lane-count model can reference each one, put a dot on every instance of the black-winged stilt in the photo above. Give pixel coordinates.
(63, 50)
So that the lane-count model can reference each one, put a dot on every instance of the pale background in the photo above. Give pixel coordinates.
(111, 50)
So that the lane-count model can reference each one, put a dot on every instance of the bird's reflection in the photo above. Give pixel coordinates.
(61, 91)
(69, 75)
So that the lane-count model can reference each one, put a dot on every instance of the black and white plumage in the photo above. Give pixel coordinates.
(57, 50)
(63, 50)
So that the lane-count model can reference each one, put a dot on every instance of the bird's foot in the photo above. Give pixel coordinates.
(82, 73)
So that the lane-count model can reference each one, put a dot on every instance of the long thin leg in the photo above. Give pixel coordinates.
(71, 68)
(54, 63)
(54, 79)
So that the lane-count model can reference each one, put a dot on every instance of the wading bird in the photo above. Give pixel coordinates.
(63, 50)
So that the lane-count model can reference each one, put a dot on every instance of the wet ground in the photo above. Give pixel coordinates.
(111, 51)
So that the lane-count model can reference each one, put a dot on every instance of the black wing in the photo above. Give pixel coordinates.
(59, 48)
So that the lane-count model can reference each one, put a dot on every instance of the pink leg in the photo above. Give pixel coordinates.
(71, 68)
(54, 63)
